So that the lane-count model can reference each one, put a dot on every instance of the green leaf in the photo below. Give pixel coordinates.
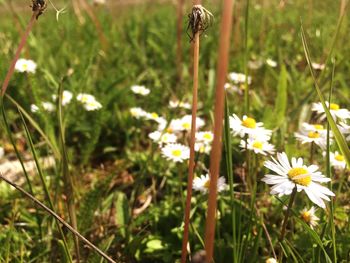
(122, 212)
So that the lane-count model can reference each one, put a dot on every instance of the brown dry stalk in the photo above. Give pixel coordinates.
(192, 152)
(192, 141)
(70, 228)
(215, 155)
(18, 52)
(77, 12)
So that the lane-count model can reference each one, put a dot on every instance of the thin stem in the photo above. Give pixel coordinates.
(67, 177)
(312, 152)
(58, 218)
(215, 155)
(285, 221)
(332, 204)
(191, 165)
(246, 53)
(230, 179)
(18, 52)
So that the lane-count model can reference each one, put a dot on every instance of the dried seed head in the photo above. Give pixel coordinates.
(198, 20)
(38, 6)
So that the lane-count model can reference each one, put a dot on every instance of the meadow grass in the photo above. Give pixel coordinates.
(121, 193)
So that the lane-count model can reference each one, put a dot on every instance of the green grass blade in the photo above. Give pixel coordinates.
(36, 126)
(42, 178)
(229, 171)
(337, 134)
(328, 171)
(67, 178)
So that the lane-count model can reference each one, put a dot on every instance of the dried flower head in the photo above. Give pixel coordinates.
(38, 6)
(198, 20)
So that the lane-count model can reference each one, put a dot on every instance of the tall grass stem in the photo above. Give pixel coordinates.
(215, 155)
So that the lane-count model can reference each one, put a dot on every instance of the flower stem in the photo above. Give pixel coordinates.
(285, 221)
(215, 155)
(191, 165)
(312, 152)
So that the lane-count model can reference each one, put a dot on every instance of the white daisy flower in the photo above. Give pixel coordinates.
(202, 147)
(162, 138)
(25, 65)
(66, 97)
(271, 260)
(335, 110)
(154, 117)
(345, 130)
(233, 88)
(248, 126)
(202, 183)
(34, 108)
(259, 147)
(176, 152)
(337, 160)
(141, 90)
(137, 112)
(162, 125)
(48, 106)
(312, 133)
(314, 128)
(296, 174)
(92, 105)
(239, 78)
(85, 98)
(309, 217)
(271, 63)
(186, 122)
(179, 104)
(205, 137)
(317, 66)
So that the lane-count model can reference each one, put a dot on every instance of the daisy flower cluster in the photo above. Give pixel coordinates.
(317, 134)
(236, 82)
(172, 138)
(254, 136)
(88, 102)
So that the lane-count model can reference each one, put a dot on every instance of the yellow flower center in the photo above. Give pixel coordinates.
(318, 127)
(258, 145)
(186, 125)
(207, 136)
(169, 130)
(207, 184)
(25, 66)
(249, 123)
(306, 216)
(334, 106)
(154, 115)
(339, 157)
(296, 175)
(313, 135)
(176, 153)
